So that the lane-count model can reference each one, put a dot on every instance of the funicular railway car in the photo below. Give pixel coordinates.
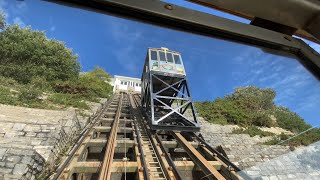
(165, 95)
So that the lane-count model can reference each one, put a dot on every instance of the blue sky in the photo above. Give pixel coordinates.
(214, 67)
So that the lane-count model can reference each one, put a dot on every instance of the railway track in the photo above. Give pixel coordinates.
(119, 144)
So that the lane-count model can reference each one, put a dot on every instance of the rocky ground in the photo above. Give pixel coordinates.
(261, 161)
(30, 138)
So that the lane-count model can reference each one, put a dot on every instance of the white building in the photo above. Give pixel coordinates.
(122, 83)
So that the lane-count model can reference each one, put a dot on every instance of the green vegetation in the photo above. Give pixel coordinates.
(39, 72)
(27, 54)
(290, 120)
(250, 107)
(304, 139)
(68, 100)
(252, 131)
(247, 106)
(2, 21)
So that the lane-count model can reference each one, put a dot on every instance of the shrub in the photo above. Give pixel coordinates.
(96, 81)
(68, 100)
(7, 97)
(250, 106)
(8, 82)
(29, 93)
(275, 140)
(304, 139)
(262, 119)
(40, 83)
(70, 87)
(252, 131)
(290, 120)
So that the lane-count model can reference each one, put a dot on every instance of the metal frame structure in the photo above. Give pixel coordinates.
(184, 19)
(160, 91)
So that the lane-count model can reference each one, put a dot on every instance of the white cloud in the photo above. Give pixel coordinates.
(126, 39)
(13, 11)
(19, 7)
(295, 86)
(18, 20)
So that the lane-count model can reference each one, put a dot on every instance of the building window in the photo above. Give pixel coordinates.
(125, 83)
(137, 84)
(121, 83)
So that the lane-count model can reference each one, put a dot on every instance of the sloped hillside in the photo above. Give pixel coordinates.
(254, 110)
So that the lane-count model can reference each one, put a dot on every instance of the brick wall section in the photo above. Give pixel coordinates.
(31, 138)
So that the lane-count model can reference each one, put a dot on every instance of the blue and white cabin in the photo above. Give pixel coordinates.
(166, 61)
(165, 95)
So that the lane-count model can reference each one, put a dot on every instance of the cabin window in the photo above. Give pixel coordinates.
(177, 59)
(154, 55)
(169, 57)
(162, 56)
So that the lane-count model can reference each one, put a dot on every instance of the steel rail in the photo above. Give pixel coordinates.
(214, 151)
(81, 137)
(197, 158)
(220, 156)
(142, 155)
(166, 171)
(105, 172)
(234, 171)
(169, 159)
(137, 146)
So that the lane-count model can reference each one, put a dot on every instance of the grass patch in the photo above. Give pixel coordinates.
(68, 100)
(218, 121)
(8, 97)
(25, 97)
(252, 131)
(301, 140)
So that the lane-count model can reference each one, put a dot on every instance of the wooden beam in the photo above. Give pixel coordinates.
(189, 165)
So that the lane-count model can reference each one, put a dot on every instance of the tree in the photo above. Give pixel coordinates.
(96, 81)
(255, 98)
(26, 54)
(2, 21)
(246, 106)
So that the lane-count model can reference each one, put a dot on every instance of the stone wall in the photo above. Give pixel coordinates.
(262, 161)
(32, 138)
(302, 163)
